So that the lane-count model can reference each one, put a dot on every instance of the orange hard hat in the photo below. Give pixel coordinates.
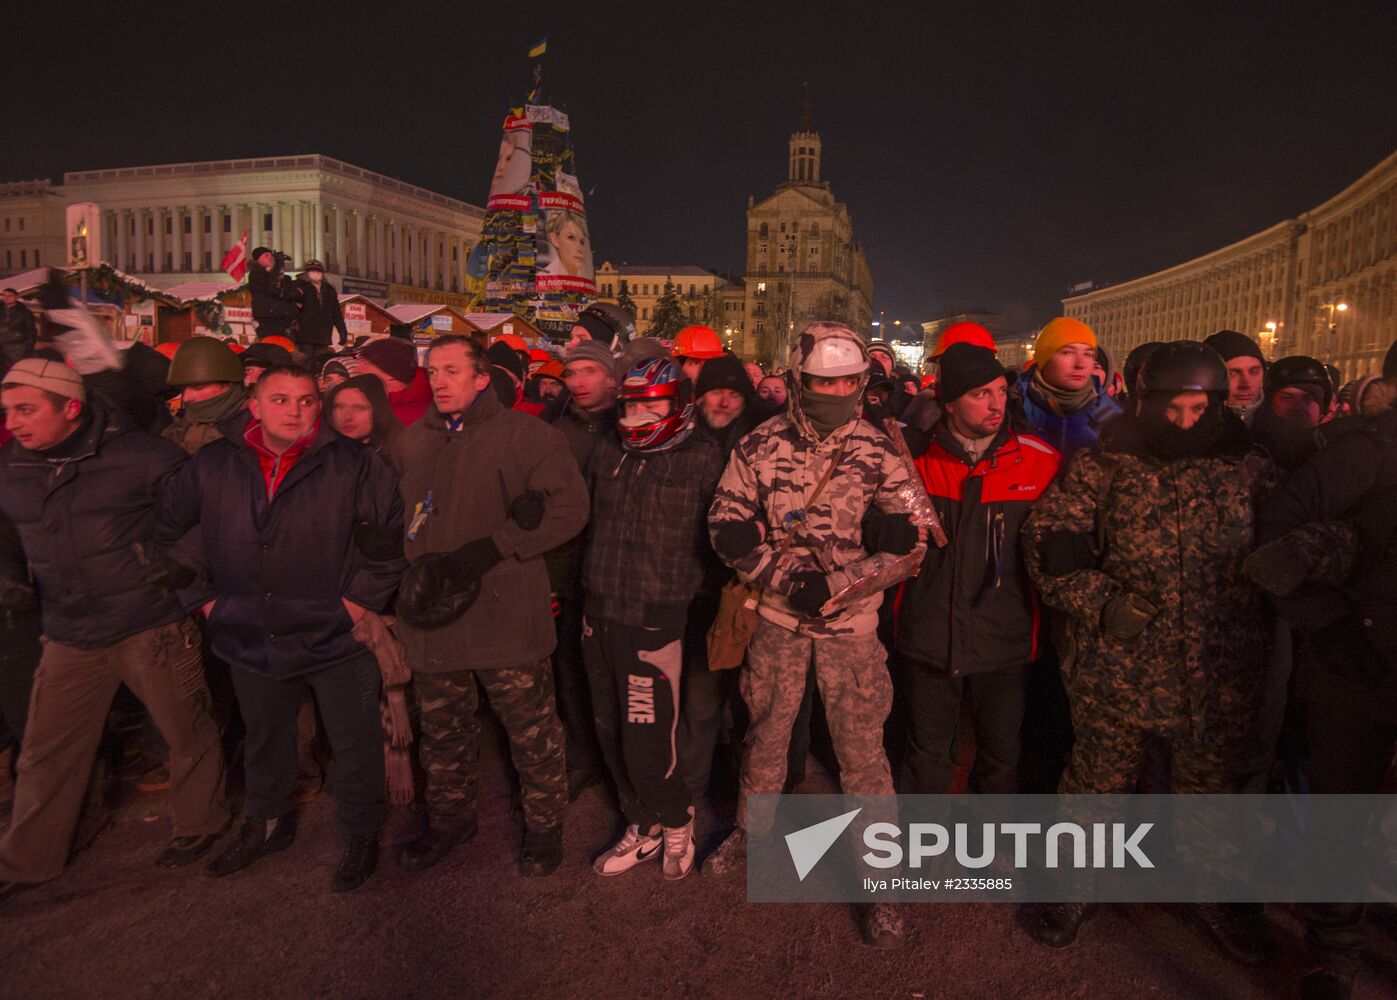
(235, 347)
(280, 341)
(513, 340)
(539, 354)
(928, 380)
(698, 341)
(963, 333)
(552, 368)
(168, 349)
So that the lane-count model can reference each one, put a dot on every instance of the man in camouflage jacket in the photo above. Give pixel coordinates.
(765, 526)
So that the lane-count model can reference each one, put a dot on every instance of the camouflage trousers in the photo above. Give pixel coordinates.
(522, 699)
(1108, 754)
(857, 693)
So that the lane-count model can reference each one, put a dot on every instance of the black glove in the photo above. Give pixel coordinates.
(1066, 552)
(918, 440)
(1278, 567)
(469, 563)
(1126, 615)
(891, 533)
(428, 598)
(16, 597)
(810, 594)
(875, 415)
(166, 574)
(379, 542)
(734, 539)
(527, 509)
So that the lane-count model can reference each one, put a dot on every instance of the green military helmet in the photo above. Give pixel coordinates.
(204, 359)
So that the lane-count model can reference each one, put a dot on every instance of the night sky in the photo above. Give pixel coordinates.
(989, 157)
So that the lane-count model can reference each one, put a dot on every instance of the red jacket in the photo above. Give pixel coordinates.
(971, 608)
(409, 404)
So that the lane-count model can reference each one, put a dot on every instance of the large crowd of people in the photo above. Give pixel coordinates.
(656, 560)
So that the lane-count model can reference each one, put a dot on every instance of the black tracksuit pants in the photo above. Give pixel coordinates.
(634, 674)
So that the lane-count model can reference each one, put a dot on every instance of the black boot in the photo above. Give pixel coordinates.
(359, 861)
(1325, 984)
(543, 851)
(1056, 924)
(186, 850)
(1236, 930)
(434, 844)
(253, 842)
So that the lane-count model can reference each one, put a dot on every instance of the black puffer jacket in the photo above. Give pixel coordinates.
(278, 569)
(86, 514)
(1351, 652)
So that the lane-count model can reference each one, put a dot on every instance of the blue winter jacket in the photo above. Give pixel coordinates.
(1074, 431)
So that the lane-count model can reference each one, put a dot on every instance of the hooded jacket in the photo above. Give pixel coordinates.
(971, 608)
(86, 514)
(1175, 533)
(278, 567)
(769, 477)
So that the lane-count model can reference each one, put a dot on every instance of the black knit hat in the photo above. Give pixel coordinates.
(1231, 344)
(506, 357)
(724, 372)
(965, 367)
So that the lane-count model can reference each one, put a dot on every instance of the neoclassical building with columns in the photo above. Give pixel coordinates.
(1323, 284)
(172, 223)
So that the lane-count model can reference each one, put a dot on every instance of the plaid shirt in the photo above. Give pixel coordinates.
(648, 535)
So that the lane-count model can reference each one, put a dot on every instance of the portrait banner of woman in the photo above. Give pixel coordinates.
(564, 246)
(509, 185)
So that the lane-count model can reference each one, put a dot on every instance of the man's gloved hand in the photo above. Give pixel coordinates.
(1126, 615)
(466, 565)
(810, 594)
(918, 440)
(527, 509)
(1066, 552)
(16, 597)
(1278, 567)
(891, 533)
(875, 415)
(428, 597)
(166, 574)
(734, 539)
(380, 543)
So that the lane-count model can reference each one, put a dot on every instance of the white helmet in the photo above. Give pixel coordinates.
(834, 356)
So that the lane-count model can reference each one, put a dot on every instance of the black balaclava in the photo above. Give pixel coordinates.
(1171, 442)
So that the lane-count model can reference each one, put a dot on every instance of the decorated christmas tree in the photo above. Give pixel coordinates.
(535, 253)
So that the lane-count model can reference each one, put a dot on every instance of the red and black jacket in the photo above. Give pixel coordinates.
(971, 609)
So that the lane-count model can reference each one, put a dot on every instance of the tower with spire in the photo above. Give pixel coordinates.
(805, 147)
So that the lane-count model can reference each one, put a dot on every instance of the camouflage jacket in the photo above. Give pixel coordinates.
(1175, 534)
(768, 478)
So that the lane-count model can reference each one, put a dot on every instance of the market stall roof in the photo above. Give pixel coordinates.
(411, 312)
(488, 321)
(26, 281)
(191, 290)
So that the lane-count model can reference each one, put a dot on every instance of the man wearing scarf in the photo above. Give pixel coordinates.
(209, 377)
(1064, 403)
(765, 526)
(1141, 545)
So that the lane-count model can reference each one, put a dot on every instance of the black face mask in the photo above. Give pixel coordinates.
(1171, 442)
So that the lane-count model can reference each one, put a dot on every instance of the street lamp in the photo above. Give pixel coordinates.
(1268, 338)
(1331, 308)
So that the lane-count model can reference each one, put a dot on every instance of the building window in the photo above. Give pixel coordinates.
(150, 262)
(763, 232)
(24, 258)
(267, 222)
(783, 227)
(188, 261)
(692, 293)
(169, 260)
(227, 223)
(208, 260)
(21, 223)
(645, 314)
(169, 225)
(131, 226)
(189, 224)
(150, 225)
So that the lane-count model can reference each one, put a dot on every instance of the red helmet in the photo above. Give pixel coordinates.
(963, 333)
(655, 378)
(698, 341)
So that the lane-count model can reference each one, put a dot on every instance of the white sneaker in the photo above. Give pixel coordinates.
(632, 849)
(679, 851)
